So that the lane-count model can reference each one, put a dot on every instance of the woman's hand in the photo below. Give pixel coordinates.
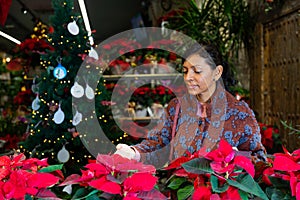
(125, 151)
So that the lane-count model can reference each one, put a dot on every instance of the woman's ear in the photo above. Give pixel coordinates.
(218, 72)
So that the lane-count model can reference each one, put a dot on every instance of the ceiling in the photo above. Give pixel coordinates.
(107, 17)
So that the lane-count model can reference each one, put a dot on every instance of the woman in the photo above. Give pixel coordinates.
(201, 118)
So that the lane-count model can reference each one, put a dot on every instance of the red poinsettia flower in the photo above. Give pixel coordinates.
(139, 182)
(15, 64)
(21, 176)
(267, 132)
(118, 163)
(287, 161)
(202, 193)
(179, 161)
(24, 97)
(106, 185)
(142, 91)
(224, 160)
(230, 193)
(286, 166)
(117, 175)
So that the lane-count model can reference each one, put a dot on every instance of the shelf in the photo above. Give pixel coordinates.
(137, 119)
(143, 76)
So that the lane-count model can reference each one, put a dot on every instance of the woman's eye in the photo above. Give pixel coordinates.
(198, 72)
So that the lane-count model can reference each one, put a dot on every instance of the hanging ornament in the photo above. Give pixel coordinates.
(93, 54)
(59, 71)
(91, 40)
(89, 92)
(77, 90)
(49, 69)
(36, 103)
(73, 28)
(63, 155)
(34, 86)
(59, 116)
(77, 118)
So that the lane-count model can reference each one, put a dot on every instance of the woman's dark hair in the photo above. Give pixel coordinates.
(214, 58)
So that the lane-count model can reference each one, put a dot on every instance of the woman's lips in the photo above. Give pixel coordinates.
(192, 86)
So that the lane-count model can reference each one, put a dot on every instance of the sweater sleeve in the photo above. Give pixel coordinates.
(155, 149)
(244, 131)
(160, 136)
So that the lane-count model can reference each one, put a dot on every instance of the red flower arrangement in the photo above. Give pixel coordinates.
(11, 141)
(24, 97)
(20, 177)
(116, 176)
(269, 137)
(282, 176)
(35, 45)
(27, 54)
(158, 94)
(131, 54)
(219, 174)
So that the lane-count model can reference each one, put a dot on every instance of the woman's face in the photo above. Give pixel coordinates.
(198, 76)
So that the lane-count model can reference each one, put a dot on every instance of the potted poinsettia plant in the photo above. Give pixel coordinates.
(22, 178)
(282, 176)
(114, 177)
(220, 174)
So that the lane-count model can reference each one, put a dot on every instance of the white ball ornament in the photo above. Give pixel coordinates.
(34, 86)
(35, 105)
(77, 118)
(59, 116)
(77, 90)
(93, 54)
(73, 28)
(63, 155)
(89, 92)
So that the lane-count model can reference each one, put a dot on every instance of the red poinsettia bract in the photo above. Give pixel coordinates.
(220, 167)
(20, 176)
(224, 160)
(267, 132)
(117, 175)
(287, 167)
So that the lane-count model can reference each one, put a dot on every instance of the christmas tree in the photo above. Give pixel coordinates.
(16, 73)
(55, 116)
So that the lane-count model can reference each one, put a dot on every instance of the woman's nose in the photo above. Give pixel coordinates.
(189, 75)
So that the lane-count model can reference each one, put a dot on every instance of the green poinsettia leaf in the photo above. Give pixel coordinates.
(81, 194)
(51, 168)
(247, 184)
(215, 185)
(92, 197)
(277, 194)
(243, 195)
(198, 166)
(28, 197)
(175, 184)
(279, 183)
(185, 192)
